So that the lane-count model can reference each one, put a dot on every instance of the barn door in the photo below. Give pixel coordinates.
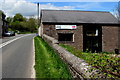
(92, 39)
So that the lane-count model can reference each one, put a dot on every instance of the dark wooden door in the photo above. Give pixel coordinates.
(91, 42)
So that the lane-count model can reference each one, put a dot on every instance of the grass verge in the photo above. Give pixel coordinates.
(47, 62)
(109, 65)
(24, 33)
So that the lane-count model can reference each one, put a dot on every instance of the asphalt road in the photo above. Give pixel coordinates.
(5, 39)
(17, 58)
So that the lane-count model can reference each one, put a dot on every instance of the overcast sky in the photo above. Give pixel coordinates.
(29, 7)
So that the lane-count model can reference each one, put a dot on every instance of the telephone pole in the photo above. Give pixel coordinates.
(38, 14)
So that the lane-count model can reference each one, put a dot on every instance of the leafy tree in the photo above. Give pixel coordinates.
(118, 11)
(9, 19)
(25, 26)
(32, 24)
(22, 24)
(16, 25)
(18, 17)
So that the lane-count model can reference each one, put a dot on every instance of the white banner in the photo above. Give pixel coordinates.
(65, 26)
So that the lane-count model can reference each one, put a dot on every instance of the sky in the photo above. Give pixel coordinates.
(28, 8)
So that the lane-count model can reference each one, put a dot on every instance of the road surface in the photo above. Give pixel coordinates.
(17, 57)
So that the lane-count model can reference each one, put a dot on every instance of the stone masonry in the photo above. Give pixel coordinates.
(78, 35)
(110, 36)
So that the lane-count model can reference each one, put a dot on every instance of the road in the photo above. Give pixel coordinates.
(17, 57)
(5, 39)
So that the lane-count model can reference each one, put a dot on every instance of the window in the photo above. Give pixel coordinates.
(92, 32)
(65, 36)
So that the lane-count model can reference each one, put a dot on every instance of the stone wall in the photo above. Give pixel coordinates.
(76, 65)
(110, 40)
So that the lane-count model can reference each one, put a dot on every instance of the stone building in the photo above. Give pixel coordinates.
(3, 24)
(85, 30)
(0, 28)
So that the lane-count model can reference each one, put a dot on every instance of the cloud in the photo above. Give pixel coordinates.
(51, 6)
(72, 0)
(88, 6)
(19, 6)
(25, 8)
(11, 7)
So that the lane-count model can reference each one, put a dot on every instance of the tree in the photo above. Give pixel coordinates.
(9, 19)
(18, 17)
(16, 26)
(118, 11)
(18, 22)
(22, 24)
(32, 24)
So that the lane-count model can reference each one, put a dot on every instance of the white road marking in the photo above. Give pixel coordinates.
(8, 42)
(0, 64)
(33, 73)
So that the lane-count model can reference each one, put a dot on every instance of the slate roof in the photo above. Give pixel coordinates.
(72, 16)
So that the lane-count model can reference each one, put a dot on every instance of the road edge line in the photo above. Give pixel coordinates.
(10, 41)
(33, 74)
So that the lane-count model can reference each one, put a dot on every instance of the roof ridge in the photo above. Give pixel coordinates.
(75, 11)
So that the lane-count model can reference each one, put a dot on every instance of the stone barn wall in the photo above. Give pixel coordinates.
(78, 35)
(110, 38)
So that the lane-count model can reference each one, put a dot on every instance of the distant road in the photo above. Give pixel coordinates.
(17, 57)
(5, 39)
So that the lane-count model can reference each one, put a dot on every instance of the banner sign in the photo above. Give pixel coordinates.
(65, 26)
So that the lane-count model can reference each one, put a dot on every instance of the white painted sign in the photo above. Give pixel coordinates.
(65, 26)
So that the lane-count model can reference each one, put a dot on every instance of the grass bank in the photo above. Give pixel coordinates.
(24, 33)
(47, 62)
(109, 65)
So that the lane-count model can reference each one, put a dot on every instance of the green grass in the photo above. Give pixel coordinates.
(109, 65)
(25, 33)
(47, 62)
